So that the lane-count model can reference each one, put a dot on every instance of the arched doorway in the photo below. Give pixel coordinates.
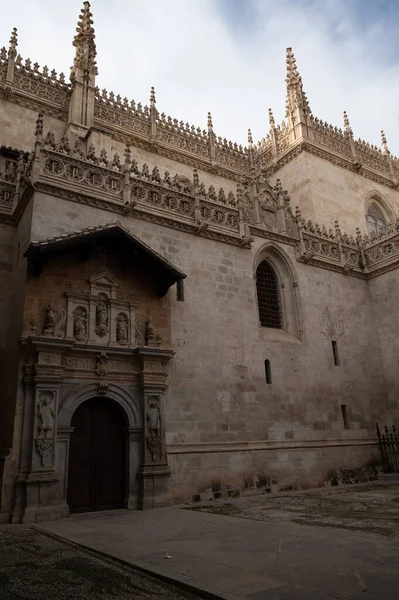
(97, 457)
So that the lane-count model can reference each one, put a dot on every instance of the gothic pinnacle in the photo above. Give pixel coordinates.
(14, 39)
(250, 140)
(152, 97)
(292, 71)
(84, 40)
(347, 123)
(296, 97)
(272, 122)
(210, 124)
(384, 142)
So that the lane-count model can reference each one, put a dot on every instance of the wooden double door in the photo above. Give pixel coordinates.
(97, 471)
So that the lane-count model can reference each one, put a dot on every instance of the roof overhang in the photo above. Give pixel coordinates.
(134, 250)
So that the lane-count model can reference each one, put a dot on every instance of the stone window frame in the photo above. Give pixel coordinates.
(292, 326)
(277, 286)
(384, 215)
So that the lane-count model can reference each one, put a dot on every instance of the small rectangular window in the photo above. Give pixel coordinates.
(345, 416)
(180, 291)
(268, 372)
(335, 353)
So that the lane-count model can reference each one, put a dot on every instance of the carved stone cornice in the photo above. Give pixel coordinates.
(330, 266)
(334, 157)
(138, 213)
(59, 359)
(273, 235)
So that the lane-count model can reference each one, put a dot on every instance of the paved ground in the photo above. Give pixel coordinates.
(371, 507)
(34, 566)
(243, 558)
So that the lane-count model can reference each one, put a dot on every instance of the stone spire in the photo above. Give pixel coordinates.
(349, 134)
(153, 115)
(250, 139)
(12, 53)
(211, 138)
(297, 105)
(13, 42)
(85, 56)
(83, 75)
(347, 124)
(272, 122)
(384, 143)
(388, 158)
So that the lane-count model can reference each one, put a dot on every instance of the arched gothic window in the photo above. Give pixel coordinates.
(376, 221)
(267, 287)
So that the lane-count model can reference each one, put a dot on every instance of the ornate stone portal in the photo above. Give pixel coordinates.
(93, 348)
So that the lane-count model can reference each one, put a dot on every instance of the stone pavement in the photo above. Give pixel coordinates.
(35, 566)
(240, 558)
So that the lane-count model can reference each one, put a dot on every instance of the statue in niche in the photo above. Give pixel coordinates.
(45, 413)
(80, 323)
(122, 325)
(153, 417)
(101, 318)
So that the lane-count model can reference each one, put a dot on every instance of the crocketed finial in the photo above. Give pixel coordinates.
(210, 124)
(272, 122)
(83, 41)
(39, 125)
(384, 142)
(14, 39)
(296, 97)
(347, 123)
(250, 140)
(152, 97)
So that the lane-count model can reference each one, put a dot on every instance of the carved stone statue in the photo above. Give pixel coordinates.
(154, 416)
(49, 321)
(101, 318)
(80, 324)
(122, 329)
(45, 415)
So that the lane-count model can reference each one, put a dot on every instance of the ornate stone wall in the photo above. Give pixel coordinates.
(218, 393)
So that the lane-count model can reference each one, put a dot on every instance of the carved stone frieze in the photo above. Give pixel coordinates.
(331, 325)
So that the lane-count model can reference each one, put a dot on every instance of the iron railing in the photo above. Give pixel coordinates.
(389, 446)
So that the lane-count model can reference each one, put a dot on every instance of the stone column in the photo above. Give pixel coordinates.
(154, 471)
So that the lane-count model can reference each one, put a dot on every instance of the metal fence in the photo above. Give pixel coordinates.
(389, 446)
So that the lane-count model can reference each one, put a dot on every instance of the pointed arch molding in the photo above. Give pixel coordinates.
(375, 197)
(77, 394)
(291, 307)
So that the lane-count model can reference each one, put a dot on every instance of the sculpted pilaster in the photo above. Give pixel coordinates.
(154, 471)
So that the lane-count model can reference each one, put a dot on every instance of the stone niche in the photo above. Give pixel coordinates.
(97, 316)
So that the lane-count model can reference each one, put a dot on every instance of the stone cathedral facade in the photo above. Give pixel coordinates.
(181, 317)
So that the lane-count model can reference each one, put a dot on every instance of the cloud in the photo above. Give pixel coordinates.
(228, 56)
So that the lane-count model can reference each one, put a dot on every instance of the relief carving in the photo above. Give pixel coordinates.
(54, 322)
(268, 211)
(332, 327)
(45, 425)
(102, 366)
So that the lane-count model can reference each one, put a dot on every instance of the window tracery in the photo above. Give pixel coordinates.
(376, 220)
(267, 287)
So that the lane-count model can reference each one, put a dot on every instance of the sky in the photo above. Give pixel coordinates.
(228, 57)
